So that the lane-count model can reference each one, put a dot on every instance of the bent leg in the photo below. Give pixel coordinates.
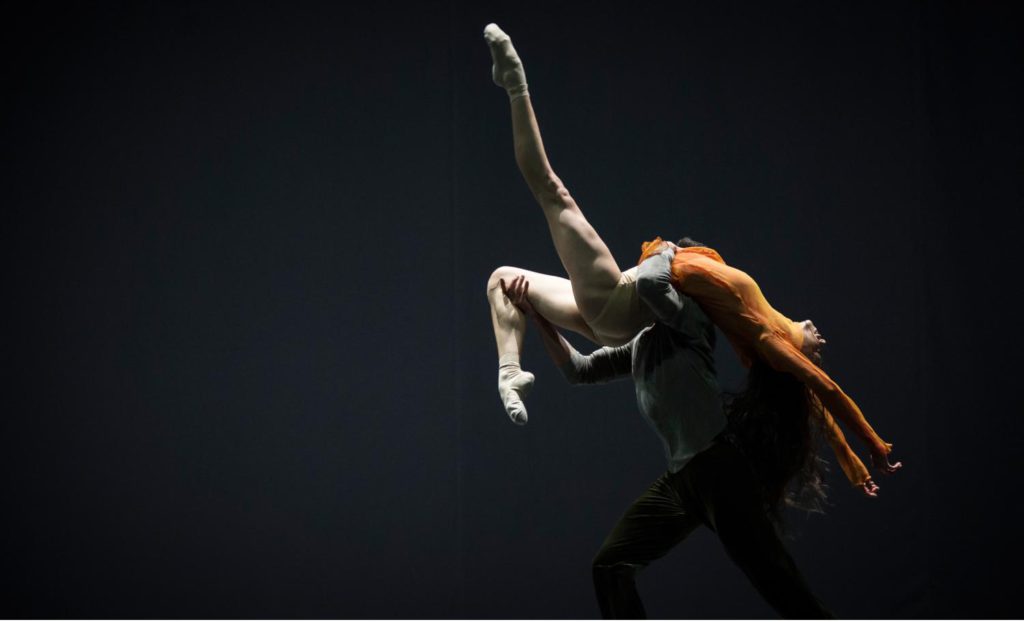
(652, 525)
(552, 298)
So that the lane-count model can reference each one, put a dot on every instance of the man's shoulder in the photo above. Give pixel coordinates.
(692, 318)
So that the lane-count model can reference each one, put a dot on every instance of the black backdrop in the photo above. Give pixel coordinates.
(250, 368)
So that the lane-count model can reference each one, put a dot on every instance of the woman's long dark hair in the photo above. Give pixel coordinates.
(776, 422)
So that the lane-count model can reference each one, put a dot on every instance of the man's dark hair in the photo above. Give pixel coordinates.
(777, 424)
(687, 242)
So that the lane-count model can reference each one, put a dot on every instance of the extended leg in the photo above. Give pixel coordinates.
(552, 297)
(722, 482)
(590, 265)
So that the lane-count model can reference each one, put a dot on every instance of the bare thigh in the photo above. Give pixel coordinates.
(592, 269)
(552, 297)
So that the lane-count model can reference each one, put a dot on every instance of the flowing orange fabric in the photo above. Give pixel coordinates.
(734, 302)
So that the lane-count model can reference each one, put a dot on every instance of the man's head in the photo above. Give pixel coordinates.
(687, 242)
(813, 341)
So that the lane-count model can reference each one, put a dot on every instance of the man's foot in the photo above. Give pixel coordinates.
(514, 384)
(507, 71)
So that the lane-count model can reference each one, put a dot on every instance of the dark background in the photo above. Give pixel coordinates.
(250, 364)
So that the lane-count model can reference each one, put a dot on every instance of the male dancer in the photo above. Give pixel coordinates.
(708, 480)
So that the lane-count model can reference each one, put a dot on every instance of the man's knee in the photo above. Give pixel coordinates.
(615, 587)
(608, 569)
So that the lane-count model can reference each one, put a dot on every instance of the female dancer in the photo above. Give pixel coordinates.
(600, 302)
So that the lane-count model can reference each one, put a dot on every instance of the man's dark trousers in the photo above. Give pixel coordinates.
(716, 488)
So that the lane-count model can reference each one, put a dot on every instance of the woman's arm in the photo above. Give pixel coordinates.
(781, 355)
(851, 465)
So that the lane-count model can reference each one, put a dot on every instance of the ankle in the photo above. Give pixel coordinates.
(510, 359)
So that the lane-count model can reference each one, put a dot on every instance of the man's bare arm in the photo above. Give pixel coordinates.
(600, 366)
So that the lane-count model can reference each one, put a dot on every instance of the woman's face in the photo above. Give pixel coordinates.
(813, 341)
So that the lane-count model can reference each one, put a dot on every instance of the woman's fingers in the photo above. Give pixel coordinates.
(881, 462)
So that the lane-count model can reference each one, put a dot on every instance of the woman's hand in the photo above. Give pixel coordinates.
(518, 294)
(870, 488)
(881, 463)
